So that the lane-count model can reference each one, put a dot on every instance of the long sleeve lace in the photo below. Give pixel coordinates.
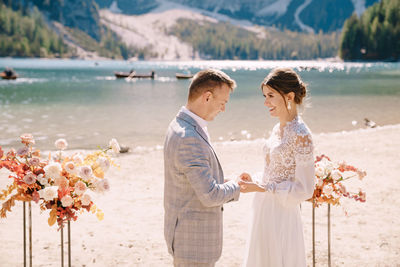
(293, 180)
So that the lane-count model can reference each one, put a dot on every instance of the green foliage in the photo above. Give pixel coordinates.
(225, 41)
(373, 36)
(27, 35)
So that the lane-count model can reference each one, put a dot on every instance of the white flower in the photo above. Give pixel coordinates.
(80, 188)
(85, 172)
(320, 183)
(42, 180)
(49, 193)
(78, 158)
(319, 171)
(67, 201)
(104, 163)
(30, 178)
(61, 144)
(86, 199)
(336, 175)
(329, 166)
(70, 167)
(114, 145)
(328, 190)
(53, 170)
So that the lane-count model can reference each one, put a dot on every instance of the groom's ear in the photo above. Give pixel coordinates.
(207, 96)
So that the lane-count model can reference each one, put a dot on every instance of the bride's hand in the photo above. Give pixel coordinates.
(246, 187)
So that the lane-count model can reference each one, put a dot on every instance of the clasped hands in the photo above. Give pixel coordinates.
(247, 185)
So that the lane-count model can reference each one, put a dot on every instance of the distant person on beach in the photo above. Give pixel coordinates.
(194, 186)
(276, 231)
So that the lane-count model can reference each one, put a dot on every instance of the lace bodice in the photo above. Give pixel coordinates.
(283, 152)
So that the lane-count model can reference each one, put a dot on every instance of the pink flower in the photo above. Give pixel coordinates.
(362, 196)
(30, 178)
(67, 201)
(342, 189)
(102, 185)
(61, 182)
(80, 188)
(27, 139)
(86, 199)
(361, 174)
(85, 172)
(35, 196)
(23, 151)
(61, 144)
(34, 161)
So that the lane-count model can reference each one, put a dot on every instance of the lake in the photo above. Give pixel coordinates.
(82, 101)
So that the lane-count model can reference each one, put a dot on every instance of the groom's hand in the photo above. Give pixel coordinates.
(245, 177)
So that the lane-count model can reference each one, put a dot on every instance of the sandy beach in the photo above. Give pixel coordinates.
(131, 233)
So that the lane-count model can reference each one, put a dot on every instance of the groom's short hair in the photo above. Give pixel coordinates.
(208, 80)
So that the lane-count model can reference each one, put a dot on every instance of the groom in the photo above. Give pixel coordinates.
(194, 189)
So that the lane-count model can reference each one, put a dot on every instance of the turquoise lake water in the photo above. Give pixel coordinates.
(83, 102)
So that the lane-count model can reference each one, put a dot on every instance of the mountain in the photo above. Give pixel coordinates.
(79, 14)
(298, 15)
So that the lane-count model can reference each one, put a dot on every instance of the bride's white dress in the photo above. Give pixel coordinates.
(276, 231)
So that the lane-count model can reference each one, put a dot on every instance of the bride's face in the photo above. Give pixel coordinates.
(274, 102)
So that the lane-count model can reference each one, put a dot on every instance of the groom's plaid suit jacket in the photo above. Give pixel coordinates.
(194, 192)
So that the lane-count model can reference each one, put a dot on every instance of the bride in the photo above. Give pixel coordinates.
(276, 232)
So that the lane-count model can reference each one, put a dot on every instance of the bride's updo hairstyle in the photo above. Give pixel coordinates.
(286, 80)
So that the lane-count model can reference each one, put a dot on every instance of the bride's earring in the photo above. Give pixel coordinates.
(289, 106)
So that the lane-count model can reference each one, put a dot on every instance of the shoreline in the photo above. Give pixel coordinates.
(131, 233)
(142, 149)
(326, 60)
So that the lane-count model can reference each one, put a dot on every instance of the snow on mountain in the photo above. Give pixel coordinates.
(274, 8)
(302, 26)
(359, 6)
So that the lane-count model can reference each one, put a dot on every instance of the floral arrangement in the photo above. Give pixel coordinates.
(61, 184)
(329, 176)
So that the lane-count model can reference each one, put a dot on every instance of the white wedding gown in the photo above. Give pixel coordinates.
(276, 232)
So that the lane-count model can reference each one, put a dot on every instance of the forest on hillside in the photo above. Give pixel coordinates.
(24, 34)
(225, 41)
(373, 36)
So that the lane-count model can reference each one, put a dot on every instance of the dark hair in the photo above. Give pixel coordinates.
(286, 80)
(208, 80)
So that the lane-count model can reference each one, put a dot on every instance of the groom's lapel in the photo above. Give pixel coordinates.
(196, 126)
(190, 120)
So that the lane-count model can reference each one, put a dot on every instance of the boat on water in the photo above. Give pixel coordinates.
(181, 76)
(132, 74)
(8, 74)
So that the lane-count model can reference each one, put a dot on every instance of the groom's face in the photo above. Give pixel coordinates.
(217, 101)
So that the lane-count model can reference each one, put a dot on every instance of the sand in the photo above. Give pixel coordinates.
(131, 233)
